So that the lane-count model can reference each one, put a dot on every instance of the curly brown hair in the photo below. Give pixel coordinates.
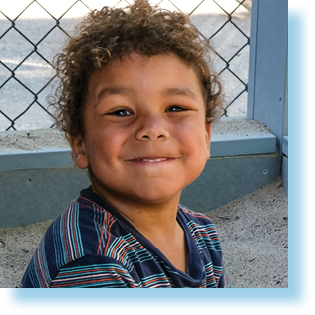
(114, 33)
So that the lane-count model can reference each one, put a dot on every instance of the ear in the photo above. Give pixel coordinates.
(78, 149)
(208, 136)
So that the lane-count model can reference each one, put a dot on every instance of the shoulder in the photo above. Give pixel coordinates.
(194, 216)
(202, 229)
(83, 229)
(205, 237)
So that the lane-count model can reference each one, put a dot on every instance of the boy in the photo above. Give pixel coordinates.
(136, 102)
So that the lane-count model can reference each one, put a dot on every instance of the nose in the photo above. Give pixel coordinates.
(150, 128)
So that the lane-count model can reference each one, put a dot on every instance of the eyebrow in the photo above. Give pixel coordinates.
(179, 91)
(106, 91)
(112, 91)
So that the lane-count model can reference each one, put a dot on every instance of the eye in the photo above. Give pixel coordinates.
(120, 113)
(176, 108)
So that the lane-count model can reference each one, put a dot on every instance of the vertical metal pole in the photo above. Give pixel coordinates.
(268, 65)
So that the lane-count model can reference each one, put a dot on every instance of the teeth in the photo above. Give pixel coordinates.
(153, 160)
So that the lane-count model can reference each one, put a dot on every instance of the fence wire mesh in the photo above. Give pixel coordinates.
(32, 32)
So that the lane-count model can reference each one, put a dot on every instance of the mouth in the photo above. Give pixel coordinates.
(151, 159)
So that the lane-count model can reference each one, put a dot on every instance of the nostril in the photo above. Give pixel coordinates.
(151, 130)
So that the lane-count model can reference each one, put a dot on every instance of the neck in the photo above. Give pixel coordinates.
(146, 217)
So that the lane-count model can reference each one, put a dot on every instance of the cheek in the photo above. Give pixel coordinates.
(105, 144)
(194, 137)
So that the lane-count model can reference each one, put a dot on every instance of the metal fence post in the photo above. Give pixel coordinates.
(267, 92)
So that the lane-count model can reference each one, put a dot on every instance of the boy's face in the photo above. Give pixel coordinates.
(145, 133)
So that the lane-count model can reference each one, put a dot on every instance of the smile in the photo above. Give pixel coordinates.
(151, 160)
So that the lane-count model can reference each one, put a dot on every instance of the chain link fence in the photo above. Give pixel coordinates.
(32, 32)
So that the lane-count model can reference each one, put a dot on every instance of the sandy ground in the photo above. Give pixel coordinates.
(253, 231)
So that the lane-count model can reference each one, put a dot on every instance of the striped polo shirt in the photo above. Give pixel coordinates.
(92, 245)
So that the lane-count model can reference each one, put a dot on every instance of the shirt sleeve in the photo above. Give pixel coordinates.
(224, 281)
(94, 271)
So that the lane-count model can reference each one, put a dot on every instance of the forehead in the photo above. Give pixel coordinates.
(142, 73)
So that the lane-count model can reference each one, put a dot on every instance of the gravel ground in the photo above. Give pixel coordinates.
(253, 231)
